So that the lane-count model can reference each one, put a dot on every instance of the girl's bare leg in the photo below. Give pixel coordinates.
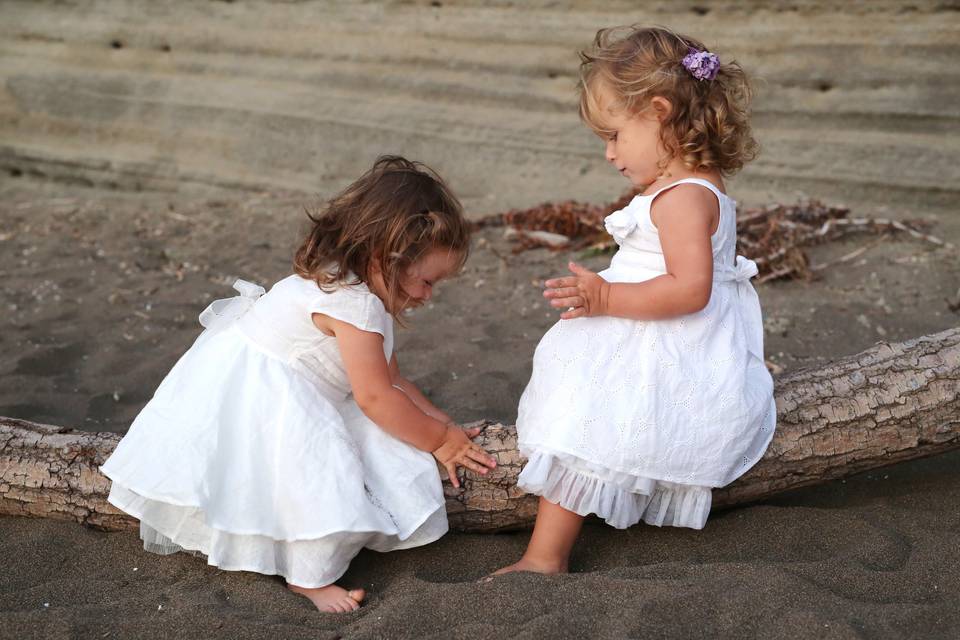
(331, 598)
(553, 536)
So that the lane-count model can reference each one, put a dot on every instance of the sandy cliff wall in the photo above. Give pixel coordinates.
(857, 102)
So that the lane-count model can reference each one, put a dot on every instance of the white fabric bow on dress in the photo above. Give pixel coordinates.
(740, 273)
(622, 222)
(224, 311)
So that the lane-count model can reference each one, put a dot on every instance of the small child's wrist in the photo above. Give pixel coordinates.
(604, 306)
(443, 437)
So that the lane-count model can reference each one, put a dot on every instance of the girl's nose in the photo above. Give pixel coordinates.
(609, 152)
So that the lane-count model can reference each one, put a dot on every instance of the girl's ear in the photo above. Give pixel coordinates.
(662, 108)
(373, 266)
(375, 258)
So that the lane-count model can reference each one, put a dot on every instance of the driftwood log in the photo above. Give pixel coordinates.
(890, 403)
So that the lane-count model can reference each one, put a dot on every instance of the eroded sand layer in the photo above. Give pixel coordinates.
(856, 101)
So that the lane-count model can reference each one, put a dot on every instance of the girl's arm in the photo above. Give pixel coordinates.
(391, 409)
(415, 395)
(685, 219)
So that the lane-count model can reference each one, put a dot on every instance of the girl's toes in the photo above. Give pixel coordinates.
(345, 605)
(351, 604)
(357, 595)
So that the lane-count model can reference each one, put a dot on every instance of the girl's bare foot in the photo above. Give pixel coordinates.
(553, 536)
(531, 565)
(331, 598)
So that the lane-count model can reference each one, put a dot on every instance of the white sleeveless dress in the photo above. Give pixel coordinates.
(632, 419)
(254, 453)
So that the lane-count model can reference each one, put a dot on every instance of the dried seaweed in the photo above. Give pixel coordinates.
(774, 236)
(581, 223)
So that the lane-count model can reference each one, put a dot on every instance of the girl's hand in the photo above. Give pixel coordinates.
(583, 294)
(457, 450)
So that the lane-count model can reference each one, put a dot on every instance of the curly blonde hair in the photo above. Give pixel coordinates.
(391, 216)
(708, 126)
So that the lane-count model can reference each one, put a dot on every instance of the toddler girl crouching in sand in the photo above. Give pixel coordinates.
(652, 388)
(285, 440)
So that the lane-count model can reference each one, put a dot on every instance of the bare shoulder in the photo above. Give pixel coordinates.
(686, 204)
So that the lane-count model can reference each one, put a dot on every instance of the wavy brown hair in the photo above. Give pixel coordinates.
(708, 127)
(390, 217)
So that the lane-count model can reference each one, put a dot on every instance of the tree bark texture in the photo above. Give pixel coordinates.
(890, 403)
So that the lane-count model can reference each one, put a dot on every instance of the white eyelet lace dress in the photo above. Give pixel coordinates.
(631, 419)
(254, 453)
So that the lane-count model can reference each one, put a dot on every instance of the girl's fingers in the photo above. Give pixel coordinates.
(452, 472)
(575, 301)
(472, 432)
(579, 312)
(482, 457)
(467, 463)
(562, 292)
(557, 283)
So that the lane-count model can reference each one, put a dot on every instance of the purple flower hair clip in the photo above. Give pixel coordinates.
(702, 65)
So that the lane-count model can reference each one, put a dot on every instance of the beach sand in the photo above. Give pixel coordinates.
(874, 556)
(136, 191)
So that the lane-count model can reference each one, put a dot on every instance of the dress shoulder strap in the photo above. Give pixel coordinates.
(700, 181)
